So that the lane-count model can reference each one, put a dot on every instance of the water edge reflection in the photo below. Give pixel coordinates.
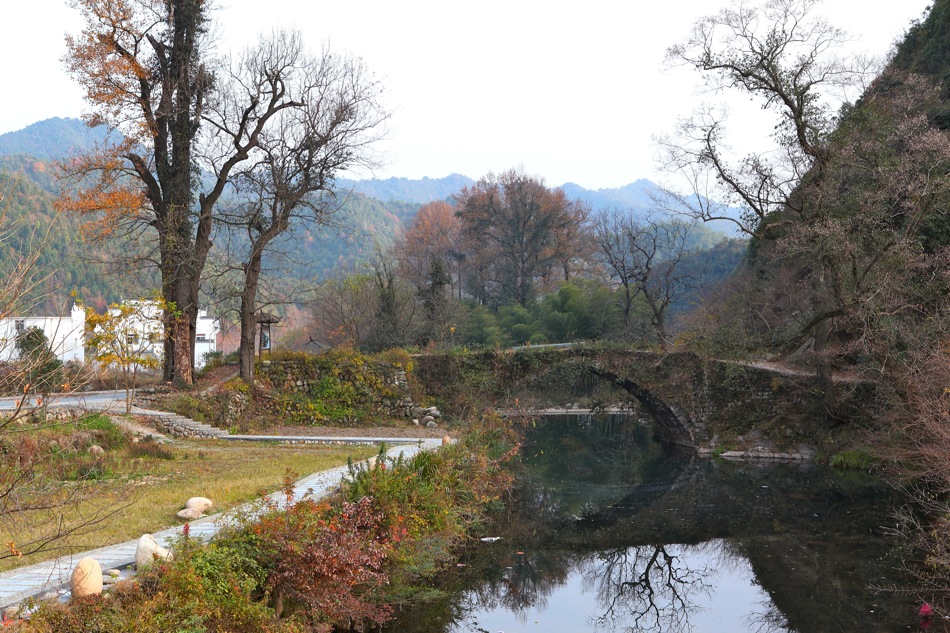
(609, 531)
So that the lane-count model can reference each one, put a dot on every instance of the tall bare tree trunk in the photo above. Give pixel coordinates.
(248, 321)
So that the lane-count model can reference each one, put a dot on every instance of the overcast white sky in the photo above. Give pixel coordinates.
(569, 91)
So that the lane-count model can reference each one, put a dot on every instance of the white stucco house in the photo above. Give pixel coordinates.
(66, 334)
(207, 330)
(146, 327)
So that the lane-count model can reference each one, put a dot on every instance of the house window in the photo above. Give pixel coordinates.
(132, 339)
(200, 337)
(19, 325)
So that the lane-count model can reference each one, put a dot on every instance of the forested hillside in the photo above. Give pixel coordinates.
(50, 139)
(64, 263)
(372, 215)
(361, 227)
(849, 260)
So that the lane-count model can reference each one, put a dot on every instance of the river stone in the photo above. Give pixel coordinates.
(189, 514)
(201, 504)
(86, 579)
(148, 550)
(431, 424)
(428, 419)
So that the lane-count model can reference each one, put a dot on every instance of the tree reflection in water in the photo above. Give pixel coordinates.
(645, 588)
(525, 585)
(771, 620)
(604, 535)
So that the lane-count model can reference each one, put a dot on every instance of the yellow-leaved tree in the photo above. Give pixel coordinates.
(128, 337)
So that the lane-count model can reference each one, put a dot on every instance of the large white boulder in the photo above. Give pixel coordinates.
(86, 579)
(201, 504)
(148, 550)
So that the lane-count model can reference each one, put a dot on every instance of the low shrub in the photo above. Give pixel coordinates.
(86, 469)
(854, 459)
(189, 406)
(148, 448)
(203, 589)
(213, 360)
(314, 565)
(434, 500)
(324, 563)
(108, 434)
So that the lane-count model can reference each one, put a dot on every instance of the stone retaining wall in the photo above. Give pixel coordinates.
(393, 399)
(180, 426)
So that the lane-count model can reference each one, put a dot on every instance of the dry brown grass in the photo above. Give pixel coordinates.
(146, 492)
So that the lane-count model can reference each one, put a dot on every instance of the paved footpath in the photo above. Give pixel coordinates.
(53, 576)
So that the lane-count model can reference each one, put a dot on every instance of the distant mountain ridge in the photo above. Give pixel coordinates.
(51, 139)
(58, 137)
(55, 138)
(637, 196)
(642, 196)
(420, 191)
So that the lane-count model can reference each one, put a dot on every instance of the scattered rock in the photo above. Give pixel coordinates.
(96, 451)
(86, 579)
(427, 419)
(415, 421)
(148, 550)
(431, 424)
(189, 514)
(115, 573)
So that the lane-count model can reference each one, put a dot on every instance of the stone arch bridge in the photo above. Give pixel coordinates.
(689, 399)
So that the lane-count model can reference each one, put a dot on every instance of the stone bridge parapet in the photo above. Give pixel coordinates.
(691, 400)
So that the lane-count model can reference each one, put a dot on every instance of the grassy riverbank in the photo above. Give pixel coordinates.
(319, 564)
(135, 488)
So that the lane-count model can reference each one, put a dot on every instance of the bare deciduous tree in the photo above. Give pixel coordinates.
(149, 75)
(644, 257)
(517, 230)
(332, 114)
(783, 55)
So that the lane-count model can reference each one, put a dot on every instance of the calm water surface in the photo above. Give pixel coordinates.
(610, 532)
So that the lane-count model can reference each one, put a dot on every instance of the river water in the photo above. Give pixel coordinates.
(608, 531)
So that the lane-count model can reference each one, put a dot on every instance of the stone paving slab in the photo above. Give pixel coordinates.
(20, 584)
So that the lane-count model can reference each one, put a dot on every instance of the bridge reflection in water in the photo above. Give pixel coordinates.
(611, 531)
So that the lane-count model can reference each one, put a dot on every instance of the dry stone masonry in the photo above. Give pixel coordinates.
(180, 426)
